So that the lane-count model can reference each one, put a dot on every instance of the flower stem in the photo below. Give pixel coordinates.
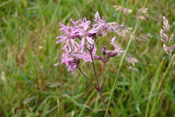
(94, 70)
(102, 74)
(88, 79)
(99, 88)
(103, 101)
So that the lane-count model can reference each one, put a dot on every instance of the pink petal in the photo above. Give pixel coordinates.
(97, 16)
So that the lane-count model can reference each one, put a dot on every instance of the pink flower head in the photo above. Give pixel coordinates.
(79, 39)
(86, 55)
(70, 61)
(84, 24)
(117, 49)
(75, 23)
(99, 22)
(68, 38)
(85, 34)
(101, 25)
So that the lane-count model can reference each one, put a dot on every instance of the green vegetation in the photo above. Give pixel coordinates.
(31, 86)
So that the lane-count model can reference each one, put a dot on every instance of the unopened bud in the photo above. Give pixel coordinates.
(111, 54)
(92, 35)
(78, 61)
(103, 50)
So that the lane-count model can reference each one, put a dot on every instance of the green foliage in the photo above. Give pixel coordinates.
(31, 86)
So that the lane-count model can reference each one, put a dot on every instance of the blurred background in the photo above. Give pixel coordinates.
(30, 85)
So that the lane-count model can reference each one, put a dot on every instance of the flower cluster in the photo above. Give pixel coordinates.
(164, 34)
(79, 39)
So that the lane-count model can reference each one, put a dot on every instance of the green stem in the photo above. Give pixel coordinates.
(153, 86)
(160, 84)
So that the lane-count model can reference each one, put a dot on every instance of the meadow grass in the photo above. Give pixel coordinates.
(31, 86)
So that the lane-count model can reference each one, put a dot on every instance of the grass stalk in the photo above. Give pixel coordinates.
(156, 100)
(153, 86)
(132, 37)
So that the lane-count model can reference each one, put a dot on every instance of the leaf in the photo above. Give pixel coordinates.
(29, 99)
(54, 85)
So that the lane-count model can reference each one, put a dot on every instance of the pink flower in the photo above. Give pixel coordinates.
(79, 41)
(75, 23)
(85, 55)
(70, 61)
(117, 49)
(101, 25)
(68, 38)
(86, 36)
(83, 31)
(84, 24)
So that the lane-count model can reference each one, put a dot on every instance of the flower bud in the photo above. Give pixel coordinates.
(92, 35)
(111, 54)
(78, 61)
(103, 50)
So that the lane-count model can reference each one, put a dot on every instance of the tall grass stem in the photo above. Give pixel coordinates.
(132, 37)
(155, 101)
(153, 86)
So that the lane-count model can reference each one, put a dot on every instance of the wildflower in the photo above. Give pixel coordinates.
(70, 61)
(68, 38)
(83, 30)
(85, 55)
(79, 44)
(75, 23)
(117, 49)
(101, 25)
(79, 41)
